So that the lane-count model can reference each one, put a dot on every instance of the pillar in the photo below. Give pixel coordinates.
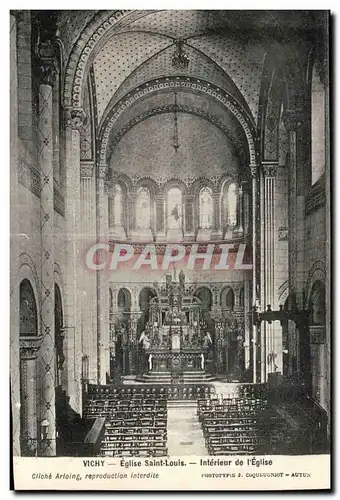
(103, 334)
(255, 340)
(74, 118)
(88, 286)
(47, 350)
(293, 122)
(160, 217)
(272, 360)
(14, 243)
(216, 231)
(189, 216)
(240, 225)
(29, 347)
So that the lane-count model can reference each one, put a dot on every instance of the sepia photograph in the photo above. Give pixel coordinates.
(170, 249)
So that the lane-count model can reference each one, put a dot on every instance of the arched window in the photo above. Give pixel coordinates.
(143, 209)
(228, 299)
(318, 126)
(206, 208)
(174, 208)
(124, 300)
(116, 206)
(28, 310)
(229, 203)
(232, 205)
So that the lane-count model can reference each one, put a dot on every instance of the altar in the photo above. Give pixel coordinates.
(174, 342)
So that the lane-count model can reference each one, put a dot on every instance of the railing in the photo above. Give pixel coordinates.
(94, 438)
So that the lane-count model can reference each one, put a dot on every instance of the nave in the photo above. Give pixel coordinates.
(151, 421)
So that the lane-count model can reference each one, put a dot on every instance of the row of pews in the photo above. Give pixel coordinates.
(170, 392)
(135, 420)
(235, 424)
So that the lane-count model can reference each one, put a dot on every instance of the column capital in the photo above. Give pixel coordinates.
(86, 169)
(47, 62)
(269, 169)
(75, 118)
(293, 119)
(107, 185)
(29, 347)
(102, 170)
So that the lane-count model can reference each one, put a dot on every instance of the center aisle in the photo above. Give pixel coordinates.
(185, 435)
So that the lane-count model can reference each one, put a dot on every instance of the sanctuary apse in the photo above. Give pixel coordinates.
(207, 130)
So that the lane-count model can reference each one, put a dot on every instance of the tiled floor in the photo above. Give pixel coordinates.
(185, 436)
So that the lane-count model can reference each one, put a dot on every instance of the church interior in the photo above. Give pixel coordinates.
(206, 130)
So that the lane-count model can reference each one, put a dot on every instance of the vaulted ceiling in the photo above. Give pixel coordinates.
(226, 49)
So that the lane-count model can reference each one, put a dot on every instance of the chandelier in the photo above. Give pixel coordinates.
(180, 60)
(175, 140)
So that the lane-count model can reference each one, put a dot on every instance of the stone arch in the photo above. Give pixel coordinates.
(316, 273)
(200, 183)
(170, 109)
(149, 183)
(317, 304)
(28, 310)
(283, 292)
(124, 300)
(187, 83)
(174, 183)
(227, 298)
(93, 37)
(27, 270)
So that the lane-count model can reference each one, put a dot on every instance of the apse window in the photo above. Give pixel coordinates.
(206, 208)
(232, 205)
(116, 213)
(318, 126)
(174, 208)
(143, 209)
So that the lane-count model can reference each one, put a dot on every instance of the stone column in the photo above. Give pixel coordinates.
(47, 350)
(256, 245)
(103, 334)
(189, 216)
(160, 217)
(245, 189)
(29, 347)
(273, 331)
(88, 232)
(247, 325)
(14, 243)
(74, 118)
(293, 122)
(216, 231)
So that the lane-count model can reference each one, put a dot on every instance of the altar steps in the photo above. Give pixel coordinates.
(162, 378)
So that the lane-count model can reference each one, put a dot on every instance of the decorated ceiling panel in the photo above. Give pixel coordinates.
(71, 23)
(243, 63)
(162, 64)
(121, 55)
(178, 23)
